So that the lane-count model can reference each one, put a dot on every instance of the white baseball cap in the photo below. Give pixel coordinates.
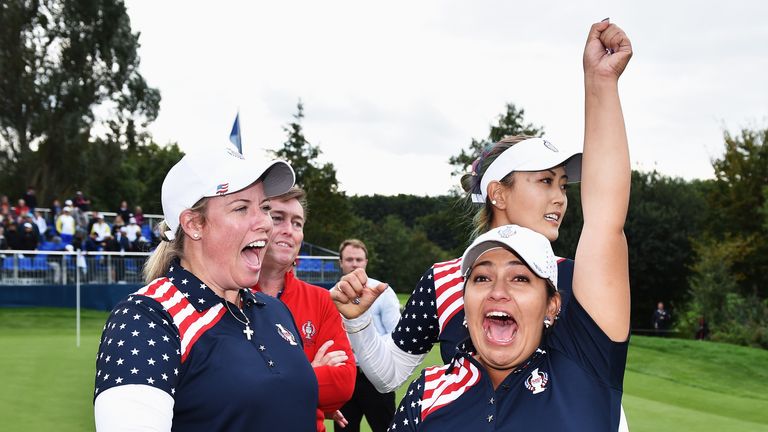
(533, 248)
(218, 172)
(533, 154)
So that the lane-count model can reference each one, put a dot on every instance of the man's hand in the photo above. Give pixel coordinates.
(333, 358)
(607, 51)
(338, 417)
(352, 295)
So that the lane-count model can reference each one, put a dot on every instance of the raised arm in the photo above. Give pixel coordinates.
(601, 275)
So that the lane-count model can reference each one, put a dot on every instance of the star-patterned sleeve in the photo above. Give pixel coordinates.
(139, 345)
(419, 328)
(408, 414)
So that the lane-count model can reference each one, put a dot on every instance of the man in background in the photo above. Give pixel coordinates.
(378, 408)
(661, 320)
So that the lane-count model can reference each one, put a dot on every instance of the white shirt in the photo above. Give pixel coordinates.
(42, 225)
(66, 224)
(386, 312)
(102, 230)
(132, 232)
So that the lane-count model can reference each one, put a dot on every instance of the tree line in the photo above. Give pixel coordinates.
(697, 245)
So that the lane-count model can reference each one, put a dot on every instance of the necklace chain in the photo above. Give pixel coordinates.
(248, 332)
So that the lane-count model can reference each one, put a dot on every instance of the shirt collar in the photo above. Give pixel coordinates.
(198, 293)
(465, 349)
(288, 281)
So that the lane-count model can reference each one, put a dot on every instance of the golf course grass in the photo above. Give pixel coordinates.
(670, 384)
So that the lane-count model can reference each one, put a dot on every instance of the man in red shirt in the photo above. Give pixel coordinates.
(325, 341)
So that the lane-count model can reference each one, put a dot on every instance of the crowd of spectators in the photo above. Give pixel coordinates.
(72, 226)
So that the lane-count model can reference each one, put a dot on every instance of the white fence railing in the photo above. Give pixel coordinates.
(61, 267)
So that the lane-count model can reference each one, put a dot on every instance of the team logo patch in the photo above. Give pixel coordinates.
(537, 381)
(550, 146)
(308, 329)
(222, 189)
(285, 334)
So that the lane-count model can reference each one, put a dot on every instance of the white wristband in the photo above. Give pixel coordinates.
(357, 324)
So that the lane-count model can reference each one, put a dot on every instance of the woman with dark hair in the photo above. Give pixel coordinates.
(519, 181)
(525, 366)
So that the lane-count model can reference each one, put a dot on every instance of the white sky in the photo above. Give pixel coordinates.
(393, 89)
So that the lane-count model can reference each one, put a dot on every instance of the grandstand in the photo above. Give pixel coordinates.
(49, 275)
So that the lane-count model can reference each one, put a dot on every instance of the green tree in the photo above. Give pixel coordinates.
(736, 200)
(439, 218)
(714, 294)
(510, 122)
(730, 284)
(135, 174)
(329, 215)
(741, 175)
(299, 152)
(664, 215)
(398, 255)
(60, 61)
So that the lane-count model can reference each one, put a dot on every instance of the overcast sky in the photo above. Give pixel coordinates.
(392, 89)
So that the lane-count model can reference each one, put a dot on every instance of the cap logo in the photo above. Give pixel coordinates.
(550, 146)
(507, 232)
(234, 153)
(222, 189)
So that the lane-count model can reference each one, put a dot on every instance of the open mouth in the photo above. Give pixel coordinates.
(252, 253)
(283, 244)
(499, 327)
(552, 217)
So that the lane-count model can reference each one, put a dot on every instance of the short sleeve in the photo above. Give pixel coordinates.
(419, 327)
(139, 345)
(578, 336)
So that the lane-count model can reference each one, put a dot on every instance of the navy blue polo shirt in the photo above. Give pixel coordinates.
(573, 382)
(435, 311)
(177, 335)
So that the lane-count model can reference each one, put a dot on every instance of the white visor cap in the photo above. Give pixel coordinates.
(218, 172)
(533, 154)
(533, 248)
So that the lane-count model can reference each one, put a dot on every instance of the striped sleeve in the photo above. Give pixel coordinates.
(408, 414)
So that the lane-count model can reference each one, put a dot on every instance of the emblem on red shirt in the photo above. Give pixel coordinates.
(288, 336)
(309, 330)
(537, 382)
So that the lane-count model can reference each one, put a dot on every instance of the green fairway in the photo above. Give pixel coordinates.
(670, 384)
(47, 380)
(698, 386)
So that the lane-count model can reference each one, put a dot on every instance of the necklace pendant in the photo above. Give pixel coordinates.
(248, 332)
